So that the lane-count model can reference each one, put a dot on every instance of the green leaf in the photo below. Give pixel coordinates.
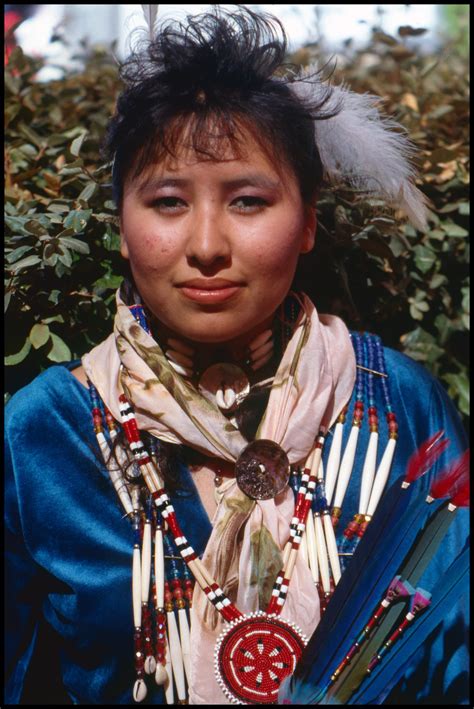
(54, 318)
(445, 328)
(76, 144)
(420, 345)
(19, 356)
(448, 208)
(424, 258)
(437, 280)
(6, 300)
(34, 226)
(111, 239)
(53, 298)
(78, 219)
(415, 313)
(109, 282)
(459, 389)
(61, 268)
(88, 191)
(32, 136)
(59, 352)
(437, 234)
(75, 244)
(464, 208)
(58, 208)
(17, 224)
(423, 306)
(25, 263)
(39, 335)
(455, 230)
(17, 254)
(65, 257)
(71, 171)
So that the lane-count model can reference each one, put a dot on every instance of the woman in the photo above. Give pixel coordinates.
(216, 379)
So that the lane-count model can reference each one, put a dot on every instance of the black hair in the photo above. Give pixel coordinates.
(218, 74)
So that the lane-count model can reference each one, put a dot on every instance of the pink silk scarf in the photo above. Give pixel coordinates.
(313, 382)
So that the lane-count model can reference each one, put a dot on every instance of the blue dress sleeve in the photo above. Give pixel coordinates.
(23, 586)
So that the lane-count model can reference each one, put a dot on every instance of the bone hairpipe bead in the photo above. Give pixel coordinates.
(181, 347)
(260, 340)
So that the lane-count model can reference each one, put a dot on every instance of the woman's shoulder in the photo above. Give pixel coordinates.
(406, 369)
(53, 390)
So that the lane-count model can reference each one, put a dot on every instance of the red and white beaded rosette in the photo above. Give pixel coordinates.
(254, 654)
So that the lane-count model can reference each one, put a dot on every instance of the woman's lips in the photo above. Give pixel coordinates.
(209, 295)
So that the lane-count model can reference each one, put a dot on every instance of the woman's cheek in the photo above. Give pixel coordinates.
(153, 253)
(277, 258)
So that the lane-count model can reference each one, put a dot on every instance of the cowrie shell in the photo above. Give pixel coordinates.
(139, 690)
(150, 665)
(161, 675)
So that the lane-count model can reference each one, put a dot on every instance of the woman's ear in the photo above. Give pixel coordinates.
(123, 244)
(309, 230)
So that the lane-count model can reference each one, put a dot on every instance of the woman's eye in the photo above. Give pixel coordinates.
(249, 203)
(168, 204)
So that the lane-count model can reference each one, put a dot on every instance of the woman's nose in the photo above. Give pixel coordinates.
(209, 242)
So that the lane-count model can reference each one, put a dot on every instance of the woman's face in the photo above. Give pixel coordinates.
(213, 246)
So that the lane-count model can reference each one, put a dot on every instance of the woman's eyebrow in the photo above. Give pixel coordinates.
(253, 180)
(155, 183)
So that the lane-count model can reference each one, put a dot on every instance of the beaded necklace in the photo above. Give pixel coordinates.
(281, 641)
(248, 682)
(326, 562)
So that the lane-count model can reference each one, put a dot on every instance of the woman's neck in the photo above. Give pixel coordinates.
(207, 353)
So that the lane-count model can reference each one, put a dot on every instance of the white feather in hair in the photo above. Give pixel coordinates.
(150, 12)
(363, 148)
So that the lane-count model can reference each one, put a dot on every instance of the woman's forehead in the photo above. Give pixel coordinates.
(247, 157)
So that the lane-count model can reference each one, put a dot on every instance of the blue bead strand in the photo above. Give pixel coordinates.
(138, 313)
(370, 378)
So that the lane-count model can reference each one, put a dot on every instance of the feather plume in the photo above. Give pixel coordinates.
(364, 148)
(150, 12)
(420, 600)
(426, 455)
(451, 480)
(463, 496)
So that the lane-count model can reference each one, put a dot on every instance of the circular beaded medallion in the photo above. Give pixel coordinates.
(254, 656)
(262, 469)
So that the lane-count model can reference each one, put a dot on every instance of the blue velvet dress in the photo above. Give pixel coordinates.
(69, 550)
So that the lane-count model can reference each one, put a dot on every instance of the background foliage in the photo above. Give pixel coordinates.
(61, 241)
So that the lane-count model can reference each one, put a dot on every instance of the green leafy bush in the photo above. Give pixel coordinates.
(374, 269)
(62, 244)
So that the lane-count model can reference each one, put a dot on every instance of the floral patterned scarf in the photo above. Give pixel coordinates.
(313, 382)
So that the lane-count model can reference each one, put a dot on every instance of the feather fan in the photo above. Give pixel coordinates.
(445, 594)
(390, 536)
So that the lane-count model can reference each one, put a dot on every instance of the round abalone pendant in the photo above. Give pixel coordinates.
(262, 470)
(254, 655)
(225, 385)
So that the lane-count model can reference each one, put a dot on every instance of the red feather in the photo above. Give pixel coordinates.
(452, 480)
(426, 455)
(462, 498)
